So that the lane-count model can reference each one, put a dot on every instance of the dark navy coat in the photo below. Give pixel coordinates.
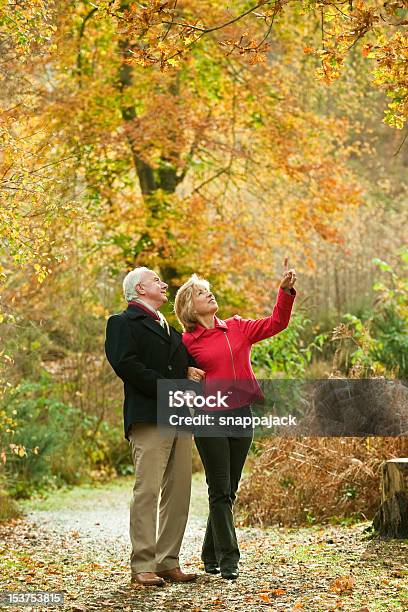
(141, 352)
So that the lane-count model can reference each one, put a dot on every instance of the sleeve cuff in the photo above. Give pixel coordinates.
(287, 298)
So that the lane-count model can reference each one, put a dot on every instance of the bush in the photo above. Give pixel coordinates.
(8, 507)
(286, 352)
(296, 481)
(53, 443)
(378, 344)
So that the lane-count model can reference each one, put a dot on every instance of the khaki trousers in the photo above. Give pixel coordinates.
(161, 496)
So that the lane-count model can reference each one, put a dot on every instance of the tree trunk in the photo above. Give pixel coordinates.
(164, 178)
(391, 520)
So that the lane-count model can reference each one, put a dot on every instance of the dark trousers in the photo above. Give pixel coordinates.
(223, 459)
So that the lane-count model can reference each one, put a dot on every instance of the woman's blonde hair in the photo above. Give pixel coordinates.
(183, 303)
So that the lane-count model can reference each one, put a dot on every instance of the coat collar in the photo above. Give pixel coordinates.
(147, 318)
(150, 311)
(134, 312)
(200, 329)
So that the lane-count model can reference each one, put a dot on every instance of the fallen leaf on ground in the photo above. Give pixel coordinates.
(278, 592)
(342, 584)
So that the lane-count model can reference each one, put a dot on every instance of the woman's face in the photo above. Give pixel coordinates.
(203, 301)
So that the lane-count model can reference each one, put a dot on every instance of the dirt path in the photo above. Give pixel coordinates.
(77, 542)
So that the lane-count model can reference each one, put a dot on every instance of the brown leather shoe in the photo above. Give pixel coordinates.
(147, 579)
(176, 575)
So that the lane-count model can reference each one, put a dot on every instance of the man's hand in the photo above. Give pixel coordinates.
(289, 277)
(195, 374)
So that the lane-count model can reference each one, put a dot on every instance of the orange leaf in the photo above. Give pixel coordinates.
(265, 598)
(278, 592)
(342, 584)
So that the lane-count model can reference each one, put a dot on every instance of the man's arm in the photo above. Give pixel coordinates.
(121, 351)
(191, 361)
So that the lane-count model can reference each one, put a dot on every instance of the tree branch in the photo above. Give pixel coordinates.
(223, 25)
(81, 34)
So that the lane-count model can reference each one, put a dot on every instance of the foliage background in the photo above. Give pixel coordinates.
(122, 146)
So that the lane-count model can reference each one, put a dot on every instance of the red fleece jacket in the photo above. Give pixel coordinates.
(224, 352)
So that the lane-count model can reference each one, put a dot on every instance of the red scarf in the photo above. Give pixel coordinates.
(142, 307)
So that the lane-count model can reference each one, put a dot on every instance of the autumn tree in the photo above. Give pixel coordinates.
(158, 148)
(147, 134)
(167, 31)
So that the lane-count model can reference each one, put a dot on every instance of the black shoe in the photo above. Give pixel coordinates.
(230, 574)
(211, 568)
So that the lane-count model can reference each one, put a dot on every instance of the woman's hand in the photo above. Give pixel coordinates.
(288, 279)
(195, 374)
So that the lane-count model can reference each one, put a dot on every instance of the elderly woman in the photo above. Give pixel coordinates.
(222, 349)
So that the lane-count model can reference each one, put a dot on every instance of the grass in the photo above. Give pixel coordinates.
(81, 496)
(86, 495)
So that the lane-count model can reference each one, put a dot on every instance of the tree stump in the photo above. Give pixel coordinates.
(391, 520)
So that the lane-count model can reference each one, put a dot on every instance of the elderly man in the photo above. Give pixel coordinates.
(143, 348)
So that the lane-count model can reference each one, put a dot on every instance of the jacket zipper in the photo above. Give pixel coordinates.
(232, 357)
(232, 361)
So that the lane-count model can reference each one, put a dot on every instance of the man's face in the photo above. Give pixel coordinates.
(152, 289)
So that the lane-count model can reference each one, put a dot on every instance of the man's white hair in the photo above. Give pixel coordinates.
(133, 278)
